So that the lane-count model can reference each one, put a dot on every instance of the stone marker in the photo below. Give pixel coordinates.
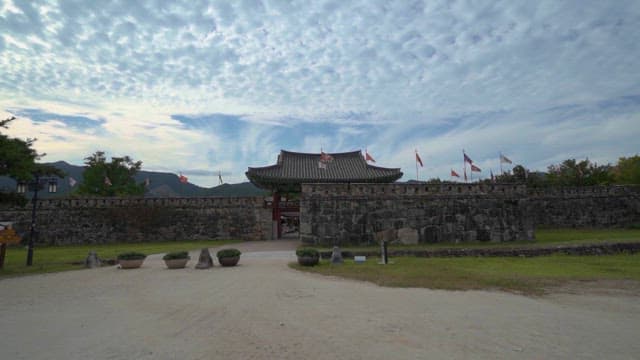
(92, 261)
(336, 256)
(205, 260)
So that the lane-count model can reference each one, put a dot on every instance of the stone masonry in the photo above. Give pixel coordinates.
(105, 220)
(339, 214)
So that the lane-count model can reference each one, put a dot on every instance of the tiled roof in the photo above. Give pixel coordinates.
(298, 168)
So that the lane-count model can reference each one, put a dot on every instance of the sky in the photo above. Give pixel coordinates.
(202, 87)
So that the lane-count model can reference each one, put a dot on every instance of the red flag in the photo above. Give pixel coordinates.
(454, 174)
(475, 168)
(183, 179)
(418, 160)
(107, 181)
(368, 157)
(324, 157)
(467, 159)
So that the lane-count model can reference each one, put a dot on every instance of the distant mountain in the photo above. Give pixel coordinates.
(160, 185)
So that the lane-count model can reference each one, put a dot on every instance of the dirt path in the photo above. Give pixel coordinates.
(264, 310)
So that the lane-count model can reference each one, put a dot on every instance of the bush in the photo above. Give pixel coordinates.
(311, 252)
(176, 255)
(132, 255)
(227, 253)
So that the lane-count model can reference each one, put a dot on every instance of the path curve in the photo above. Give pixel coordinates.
(264, 310)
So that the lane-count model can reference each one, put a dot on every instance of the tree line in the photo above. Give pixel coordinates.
(571, 172)
(101, 177)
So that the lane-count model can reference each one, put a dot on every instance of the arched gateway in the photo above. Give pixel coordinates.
(294, 169)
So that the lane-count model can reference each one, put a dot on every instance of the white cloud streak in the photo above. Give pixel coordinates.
(391, 76)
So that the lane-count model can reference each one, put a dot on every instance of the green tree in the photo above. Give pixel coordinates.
(18, 161)
(627, 171)
(579, 173)
(110, 178)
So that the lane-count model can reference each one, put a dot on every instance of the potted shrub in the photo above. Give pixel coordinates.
(308, 256)
(228, 257)
(176, 259)
(131, 260)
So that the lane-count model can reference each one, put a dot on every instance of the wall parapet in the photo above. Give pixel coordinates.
(108, 202)
(384, 190)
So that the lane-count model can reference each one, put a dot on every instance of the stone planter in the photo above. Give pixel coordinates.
(176, 263)
(229, 261)
(308, 260)
(130, 264)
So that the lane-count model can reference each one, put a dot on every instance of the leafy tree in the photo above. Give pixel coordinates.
(627, 171)
(18, 161)
(114, 178)
(579, 173)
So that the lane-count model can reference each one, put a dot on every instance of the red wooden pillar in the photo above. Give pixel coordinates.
(275, 211)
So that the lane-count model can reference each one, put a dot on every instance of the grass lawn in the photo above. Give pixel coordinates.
(60, 258)
(522, 275)
(544, 237)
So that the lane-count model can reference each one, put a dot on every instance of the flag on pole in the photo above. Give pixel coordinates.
(220, 177)
(465, 174)
(454, 174)
(147, 182)
(418, 160)
(72, 182)
(324, 157)
(504, 159)
(183, 179)
(466, 158)
(493, 178)
(368, 157)
(107, 181)
(324, 160)
(475, 168)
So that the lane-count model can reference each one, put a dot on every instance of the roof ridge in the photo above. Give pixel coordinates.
(354, 152)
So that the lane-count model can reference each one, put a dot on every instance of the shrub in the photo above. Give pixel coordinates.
(176, 255)
(227, 253)
(132, 255)
(311, 252)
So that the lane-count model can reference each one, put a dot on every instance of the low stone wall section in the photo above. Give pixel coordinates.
(106, 220)
(592, 249)
(585, 207)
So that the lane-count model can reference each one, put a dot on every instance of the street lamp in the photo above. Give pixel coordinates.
(36, 184)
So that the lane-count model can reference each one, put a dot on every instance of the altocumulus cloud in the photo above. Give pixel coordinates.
(224, 85)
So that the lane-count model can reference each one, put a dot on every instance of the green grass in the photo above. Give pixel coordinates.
(544, 237)
(522, 275)
(60, 258)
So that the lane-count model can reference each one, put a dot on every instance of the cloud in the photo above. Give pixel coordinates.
(224, 85)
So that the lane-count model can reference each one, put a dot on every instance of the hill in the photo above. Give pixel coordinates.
(160, 185)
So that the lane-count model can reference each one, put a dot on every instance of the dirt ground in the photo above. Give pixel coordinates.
(264, 310)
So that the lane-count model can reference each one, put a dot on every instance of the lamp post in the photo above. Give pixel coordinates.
(36, 184)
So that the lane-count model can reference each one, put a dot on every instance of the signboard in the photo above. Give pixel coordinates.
(359, 259)
(7, 234)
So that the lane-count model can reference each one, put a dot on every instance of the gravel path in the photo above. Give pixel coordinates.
(264, 310)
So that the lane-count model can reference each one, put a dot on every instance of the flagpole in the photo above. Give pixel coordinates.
(416, 160)
(464, 167)
(500, 158)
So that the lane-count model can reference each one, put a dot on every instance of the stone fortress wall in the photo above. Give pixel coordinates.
(105, 220)
(416, 213)
(413, 213)
(338, 214)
